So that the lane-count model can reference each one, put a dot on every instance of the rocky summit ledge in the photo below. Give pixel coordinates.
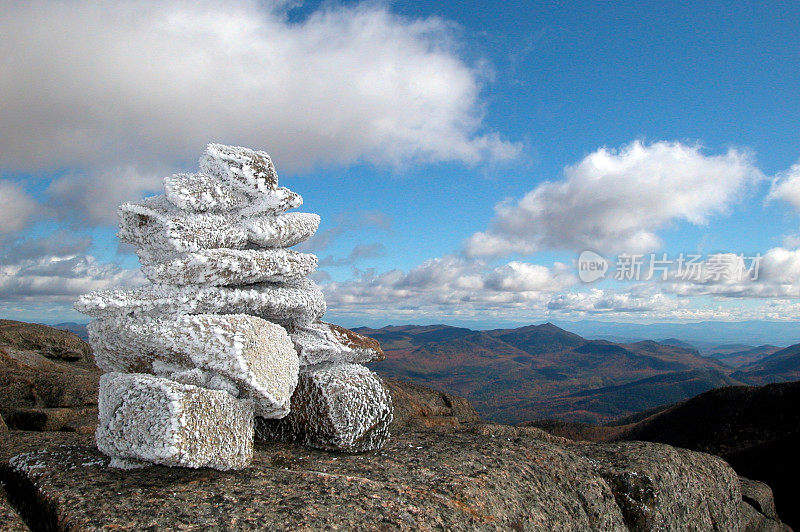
(476, 477)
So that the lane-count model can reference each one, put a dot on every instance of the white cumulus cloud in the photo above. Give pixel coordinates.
(450, 286)
(786, 186)
(616, 200)
(95, 87)
(57, 269)
(16, 208)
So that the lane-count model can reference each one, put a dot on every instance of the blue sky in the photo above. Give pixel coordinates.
(661, 127)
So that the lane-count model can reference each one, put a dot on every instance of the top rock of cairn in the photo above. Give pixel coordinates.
(227, 342)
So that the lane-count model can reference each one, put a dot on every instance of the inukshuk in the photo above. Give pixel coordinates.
(227, 343)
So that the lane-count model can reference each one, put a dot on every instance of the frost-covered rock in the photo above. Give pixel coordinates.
(203, 193)
(341, 407)
(151, 419)
(272, 203)
(157, 224)
(321, 342)
(253, 353)
(293, 303)
(222, 267)
(281, 231)
(215, 247)
(248, 170)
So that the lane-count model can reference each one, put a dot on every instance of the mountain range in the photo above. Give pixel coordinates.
(544, 371)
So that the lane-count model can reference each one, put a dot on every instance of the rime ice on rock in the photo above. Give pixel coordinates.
(230, 325)
(156, 420)
(248, 170)
(203, 193)
(253, 353)
(225, 267)
(324, 342)
(296, 302)
(341, 407)
(283, 230)
(156, 224)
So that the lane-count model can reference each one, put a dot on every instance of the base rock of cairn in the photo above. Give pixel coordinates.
(228, 341)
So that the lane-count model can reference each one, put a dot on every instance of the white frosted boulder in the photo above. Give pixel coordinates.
(281, 231)
(157, 224)
(272, 203)
(222, 267)
(203, 193)
(341, 407)
(151, 419)
(297, 302)
(321, 342)
(200, 193)
(256, 355)
(248, 170)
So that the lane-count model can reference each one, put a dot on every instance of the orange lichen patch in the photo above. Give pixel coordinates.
(355, 340)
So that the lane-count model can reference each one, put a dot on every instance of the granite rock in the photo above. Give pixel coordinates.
(254, 355)
(342, 407)
(759, 496)
(47, 341)
(146, 418)
(222, 267)
(295, 302)
(10, 521)
(29, 380)
(657, 486)
(417, 407)
(322, 342)
(427, 480)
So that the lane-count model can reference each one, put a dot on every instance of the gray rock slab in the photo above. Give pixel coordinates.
(419, 481)
(155, 420)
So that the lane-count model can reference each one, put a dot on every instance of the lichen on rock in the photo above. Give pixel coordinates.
(322, 342)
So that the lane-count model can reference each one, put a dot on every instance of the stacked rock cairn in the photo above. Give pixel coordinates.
(226, 344)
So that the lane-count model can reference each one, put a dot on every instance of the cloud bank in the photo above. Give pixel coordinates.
(16, 208)
(117, 93)
(616, 200)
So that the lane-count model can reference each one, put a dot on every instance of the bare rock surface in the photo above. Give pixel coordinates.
(759, 496)
(10, 521)
(47, 341)
(28, 381)
(657, 486)
(418, 407)
(429, 480)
